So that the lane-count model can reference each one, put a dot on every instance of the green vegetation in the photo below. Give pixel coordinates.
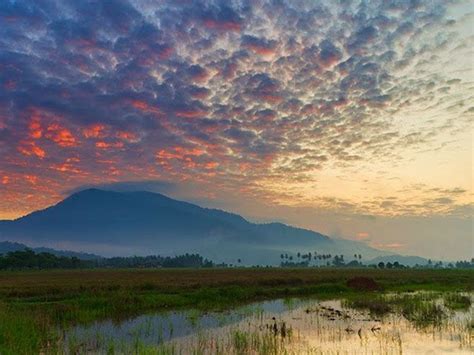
(256, 343)
(28, 259)
(376, 305)
(34, 303)
(422, 309)
(456, 301)
(423, 313)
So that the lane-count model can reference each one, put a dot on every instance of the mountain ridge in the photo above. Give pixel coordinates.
(147, 222)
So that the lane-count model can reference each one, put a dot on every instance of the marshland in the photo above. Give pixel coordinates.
(236, 311)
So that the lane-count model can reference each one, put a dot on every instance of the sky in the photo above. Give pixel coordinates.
(351, 118)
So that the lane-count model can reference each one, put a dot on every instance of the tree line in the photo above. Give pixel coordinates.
(29, 259)
(315, 259)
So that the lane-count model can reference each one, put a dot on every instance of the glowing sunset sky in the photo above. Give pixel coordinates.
(352, 118)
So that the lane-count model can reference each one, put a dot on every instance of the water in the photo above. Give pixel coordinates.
(281, 326)
(165, 326)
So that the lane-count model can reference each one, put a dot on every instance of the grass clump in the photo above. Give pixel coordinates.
(455, 301)
(420, 309)
(241, 341)
(24, 332)
(377, 306)
(256, 343)
(423, 314)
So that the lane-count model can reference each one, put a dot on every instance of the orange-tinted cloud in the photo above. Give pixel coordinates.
(145, 107)
(184, 155)
(127, 136)
(192, 151)
(140, 105)
(60, 135)
(105, 145)
(362, 236)
(94, 131)
(29, 148)
(34, 126)
(211, 165)
(67, 166)
(178, 153)
(32, 179)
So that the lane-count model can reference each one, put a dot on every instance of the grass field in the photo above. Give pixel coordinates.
(34, 305)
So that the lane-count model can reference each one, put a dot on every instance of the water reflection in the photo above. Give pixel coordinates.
(157, 328)
(279, 326)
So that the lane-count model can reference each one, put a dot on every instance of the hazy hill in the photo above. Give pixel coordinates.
(6, 247)
(144, 223)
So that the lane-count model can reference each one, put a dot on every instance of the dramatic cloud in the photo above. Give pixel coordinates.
(301, 103)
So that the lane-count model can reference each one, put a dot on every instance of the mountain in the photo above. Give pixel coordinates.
(128, 223)
(6, 247)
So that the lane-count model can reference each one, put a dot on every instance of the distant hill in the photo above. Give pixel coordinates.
(6, 247)
(144, 223)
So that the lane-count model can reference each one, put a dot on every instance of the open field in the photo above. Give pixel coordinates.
(56, 283)
(34, 305)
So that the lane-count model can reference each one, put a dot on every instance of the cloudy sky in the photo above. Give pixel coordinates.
(352, 118)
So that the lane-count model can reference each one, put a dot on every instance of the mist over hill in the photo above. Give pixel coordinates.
(7, 247)
(144, 223)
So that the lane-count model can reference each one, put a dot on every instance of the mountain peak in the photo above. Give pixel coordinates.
(98, 192)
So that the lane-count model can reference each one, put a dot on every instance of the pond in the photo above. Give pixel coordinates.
(421, 323)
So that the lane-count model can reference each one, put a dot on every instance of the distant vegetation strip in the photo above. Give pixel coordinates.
(28, 259)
